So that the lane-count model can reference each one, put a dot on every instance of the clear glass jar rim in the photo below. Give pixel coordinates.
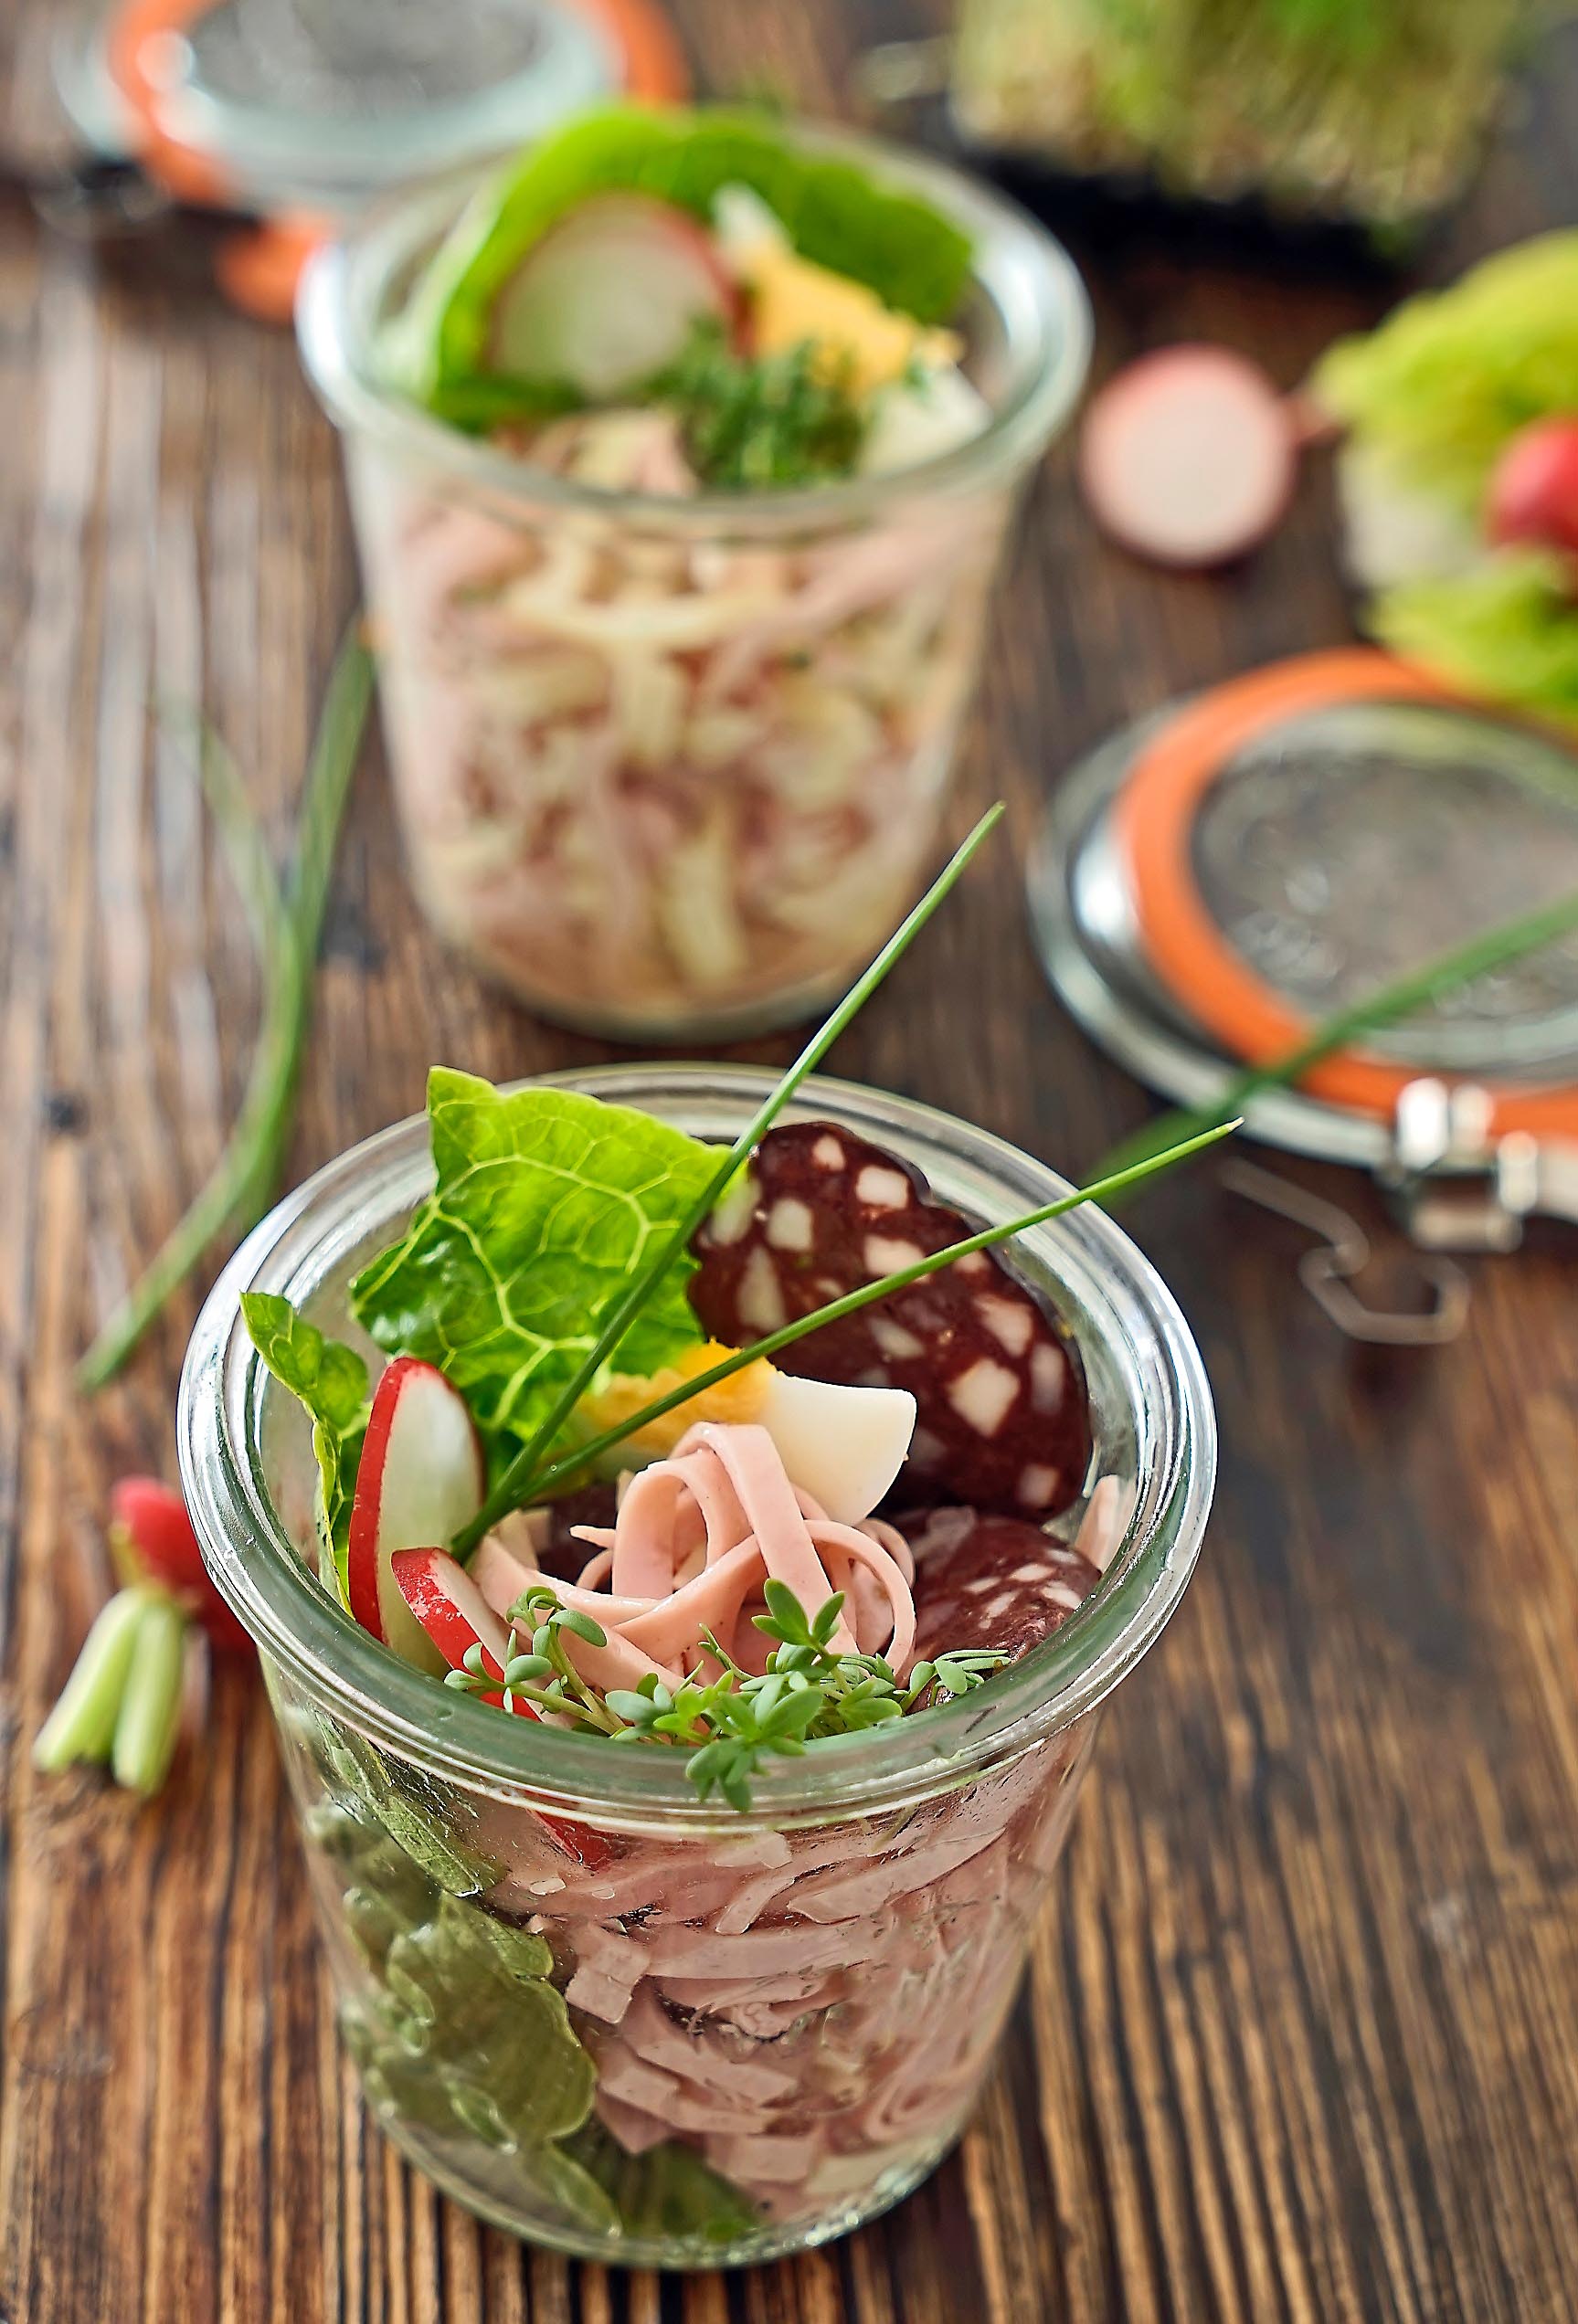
(1035, 286)
(260, 1572)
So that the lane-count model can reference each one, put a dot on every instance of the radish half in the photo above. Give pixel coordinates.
(611, 296)
(421, 1478)
(1533, 492)
(453, 1614)
(1189, 456)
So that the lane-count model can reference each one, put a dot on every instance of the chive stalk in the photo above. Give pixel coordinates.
(1495, 948)
(243, 1182)
(532, 1486)
(627, 1304)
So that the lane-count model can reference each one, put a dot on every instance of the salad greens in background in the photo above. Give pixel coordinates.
(1432, 402)
(899, 246)
(1373, 110)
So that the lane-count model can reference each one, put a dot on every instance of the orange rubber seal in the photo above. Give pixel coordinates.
(259, 270)
(1154, 818)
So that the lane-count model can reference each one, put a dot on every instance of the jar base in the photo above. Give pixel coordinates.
(742, 1021)
(771, 2242)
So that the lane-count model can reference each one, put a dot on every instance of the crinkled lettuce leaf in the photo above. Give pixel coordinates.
(331, 1381)
(836, 214)
(466, 2032)
(545, 1201)
(1447, 380)
(1506, 627)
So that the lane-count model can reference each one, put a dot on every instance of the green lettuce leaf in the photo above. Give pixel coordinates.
(1452, 375)
(836, 214)
(668, 2190)
(331, 1381)
(1506, 627)
(544, 1202)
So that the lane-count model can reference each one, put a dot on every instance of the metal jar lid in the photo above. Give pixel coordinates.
(1211, 883)
(284, 106)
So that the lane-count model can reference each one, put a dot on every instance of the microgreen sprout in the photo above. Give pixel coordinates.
(730, 1721)
(543, 1677)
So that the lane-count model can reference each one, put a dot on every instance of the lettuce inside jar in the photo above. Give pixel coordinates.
(795, 1621)
(681, 453)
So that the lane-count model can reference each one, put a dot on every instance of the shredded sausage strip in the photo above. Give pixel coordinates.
(694, 1542)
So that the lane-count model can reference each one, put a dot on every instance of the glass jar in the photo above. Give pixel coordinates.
(669, 765)
(603, 2015)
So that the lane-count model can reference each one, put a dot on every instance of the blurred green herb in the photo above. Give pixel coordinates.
(288, 924)
(750, 423)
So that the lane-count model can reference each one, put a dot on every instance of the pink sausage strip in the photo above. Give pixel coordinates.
(696, 1539)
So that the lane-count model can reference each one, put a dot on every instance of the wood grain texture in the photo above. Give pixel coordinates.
(1300, 2040)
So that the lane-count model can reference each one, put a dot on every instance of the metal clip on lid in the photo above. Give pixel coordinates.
(1457, 1186)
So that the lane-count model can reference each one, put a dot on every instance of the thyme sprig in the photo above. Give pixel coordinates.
(729, 1724)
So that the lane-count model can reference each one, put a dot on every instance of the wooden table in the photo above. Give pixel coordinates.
(1299, 2039)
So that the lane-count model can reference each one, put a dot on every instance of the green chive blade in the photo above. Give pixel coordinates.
(82, 1723)
(150, 1719)
(507, 1492)
(1493, 948)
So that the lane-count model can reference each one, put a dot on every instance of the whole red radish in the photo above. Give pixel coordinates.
(152, 1539)
(1533, 494)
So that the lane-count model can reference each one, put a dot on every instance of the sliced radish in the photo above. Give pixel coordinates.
(421, 1478)
(1189, 456)
(441, 1596)
(610, 296)
(1534, 487)
(454, 1615)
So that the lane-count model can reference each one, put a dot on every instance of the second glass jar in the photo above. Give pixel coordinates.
(674, 766)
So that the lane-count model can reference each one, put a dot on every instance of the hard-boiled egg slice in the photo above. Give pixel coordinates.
(843, 1446)
(915, 420)
(793, 299)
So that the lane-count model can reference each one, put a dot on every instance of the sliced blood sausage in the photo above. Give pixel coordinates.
(1002, 1420)
(559, 1552)
(982, 1581)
